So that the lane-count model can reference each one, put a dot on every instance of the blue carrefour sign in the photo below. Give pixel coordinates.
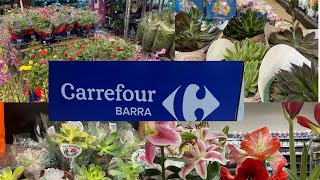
(145, 91)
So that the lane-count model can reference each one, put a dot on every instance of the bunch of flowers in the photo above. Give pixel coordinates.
(259, 6)
(18, 24)
(87, 19)
(256, 148)
(200, 149)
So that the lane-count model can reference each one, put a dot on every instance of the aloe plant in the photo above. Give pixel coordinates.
(252, 54)
(299, 84)
(307, 45)
(249, 24)
(70, 134)
(110, 145)
(7, 174)
(125, 170)
(91, 173)
(188, 35)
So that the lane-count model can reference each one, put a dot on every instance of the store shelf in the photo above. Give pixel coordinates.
(305, 20)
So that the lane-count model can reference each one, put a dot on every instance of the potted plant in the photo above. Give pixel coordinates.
(51, 174)
(70, 20)
(125, 170)
(299, 84)
(18, 25)
(248, 25)
(58, 21)
(252, 54)
(93, 172)
(43, 25)
(7, 174)
(87, 21)
(191, 42)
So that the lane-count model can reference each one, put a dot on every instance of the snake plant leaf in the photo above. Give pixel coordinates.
(300, 83)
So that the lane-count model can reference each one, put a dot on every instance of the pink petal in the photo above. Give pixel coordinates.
(201, 168)
(164, 136)
(214, 156)
(213, 147)
(187, 169)
(237, 155)
(150, 153)
(201, 146)
(276, 159)
(188, 155)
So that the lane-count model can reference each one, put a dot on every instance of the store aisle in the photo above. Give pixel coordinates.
(280, 11)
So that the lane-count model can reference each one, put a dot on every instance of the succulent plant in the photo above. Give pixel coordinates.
(93, 172)
(252, 54)
(7, 174)
(307, 45)
(70, 134)
(251, 72)
(300, 84)
(249, 24)
(247, 51)
(188, 35)
(125, 170)
(110, 145)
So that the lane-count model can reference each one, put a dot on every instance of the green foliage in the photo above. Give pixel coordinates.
(8, 175)
(189, 36)
(249, 24)
(110, 145)
(71, 135)
(91, 173)
(125, 170)
(300, 84)
(252, 54)
(307, 45)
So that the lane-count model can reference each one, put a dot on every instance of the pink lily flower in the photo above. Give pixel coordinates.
(208, 136)
(198, 156)
(159, 134)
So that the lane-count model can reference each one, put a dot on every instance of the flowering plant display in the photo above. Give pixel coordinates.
(260, 6)
(201, 150)
(87, 19)
(18, 25)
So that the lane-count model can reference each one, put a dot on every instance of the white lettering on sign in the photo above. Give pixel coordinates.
(132, 111)
(120, 93)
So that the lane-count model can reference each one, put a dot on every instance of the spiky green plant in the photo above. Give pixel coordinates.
(247, 51)
(110, 145)
(91, 173)
(251, 73)
(252, 54)
(307, 45)
(249, 24)
(188, 34)
(299, 84)
(7, 174)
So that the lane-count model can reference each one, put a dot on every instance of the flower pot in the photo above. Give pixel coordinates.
(268, 90)
(58, 33)
(257, 39)
(45, 38)
(198, 55)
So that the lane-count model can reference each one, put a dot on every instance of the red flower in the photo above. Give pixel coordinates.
(292, 108)
(84, 46)
(280, 174)
(65, 55)
(112, 54)
(119, 48)
(252, 169)
(79, 51)
(44, 52)
(68, 47)
(71, 59)
(40, 62)
(38, 91)
(112, 42)
(33, 56)
(305, 122)
(225, 174)
(101, 53)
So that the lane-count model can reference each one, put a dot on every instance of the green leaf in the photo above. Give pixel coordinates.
(173, 176)
(304, 165)
(225, 130)
(187, 136)
(117, 173)
(213, 170)
(17, 172)
(315, 173)
(152, 172)
(290, 174)
(173, 169)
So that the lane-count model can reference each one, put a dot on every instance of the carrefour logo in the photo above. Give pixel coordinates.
(191, 103)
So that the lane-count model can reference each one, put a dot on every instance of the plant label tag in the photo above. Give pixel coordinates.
(76, 123)
(70, 150)
(113, 126)
(138, 157)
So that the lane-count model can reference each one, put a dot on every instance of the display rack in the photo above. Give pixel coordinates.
(315, 152)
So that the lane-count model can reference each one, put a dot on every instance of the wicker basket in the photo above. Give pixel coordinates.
(199, 55)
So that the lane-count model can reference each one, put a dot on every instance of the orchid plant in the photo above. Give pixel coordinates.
(200, 150)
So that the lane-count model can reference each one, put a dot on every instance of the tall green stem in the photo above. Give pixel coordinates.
(163, 172)
(293, 165)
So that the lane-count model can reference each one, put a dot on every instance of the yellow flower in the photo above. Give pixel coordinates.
(25, 68)
(55, 56)
(30, 62)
